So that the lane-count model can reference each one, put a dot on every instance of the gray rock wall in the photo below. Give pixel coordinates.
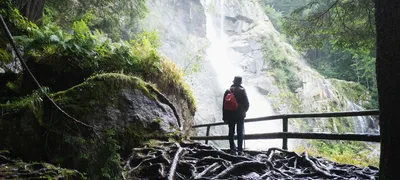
(182, 28)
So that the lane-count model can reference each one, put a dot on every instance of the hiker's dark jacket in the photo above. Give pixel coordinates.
(242, 100)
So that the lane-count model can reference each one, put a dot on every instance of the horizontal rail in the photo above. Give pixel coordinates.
(295, 135)
(302, 115)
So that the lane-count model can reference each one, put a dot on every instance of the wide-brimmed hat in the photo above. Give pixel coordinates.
(237, 80)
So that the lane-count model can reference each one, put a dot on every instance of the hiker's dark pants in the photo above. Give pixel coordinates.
(240, 129)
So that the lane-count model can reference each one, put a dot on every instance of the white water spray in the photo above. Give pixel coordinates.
(362, 123)
(222, 58)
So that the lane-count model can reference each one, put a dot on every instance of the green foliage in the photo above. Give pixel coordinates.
(152, 36)
(345, 24)
(33, 103)
(347, 152)
(94, 53)
(104, 159)
(18, 21)
(98, 155)
(342, 33)
(116, 18)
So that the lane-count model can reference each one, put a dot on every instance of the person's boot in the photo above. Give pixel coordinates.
(240, 153)
(232, 152)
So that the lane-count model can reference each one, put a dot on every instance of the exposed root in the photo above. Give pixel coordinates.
(172, 171)
(193, 160)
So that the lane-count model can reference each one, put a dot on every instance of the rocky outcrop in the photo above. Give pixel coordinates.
(113, 112)
(181, 26)
(278, 71)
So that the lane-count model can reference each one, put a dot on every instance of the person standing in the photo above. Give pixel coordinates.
(234, 108)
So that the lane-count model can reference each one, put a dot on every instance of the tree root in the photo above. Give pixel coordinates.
(192, 160)
(204, 173)
(172, 171)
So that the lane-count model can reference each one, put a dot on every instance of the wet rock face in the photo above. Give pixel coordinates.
(181, 25)
(188, 160)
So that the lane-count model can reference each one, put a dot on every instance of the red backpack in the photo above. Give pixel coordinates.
(230, 102)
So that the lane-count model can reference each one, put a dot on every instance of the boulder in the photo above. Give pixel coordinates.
(113, 113)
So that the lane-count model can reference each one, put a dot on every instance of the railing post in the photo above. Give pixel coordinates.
(285, 129)
(208, 133)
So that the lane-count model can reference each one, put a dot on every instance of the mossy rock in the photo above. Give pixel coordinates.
(119, 112)
(17, 169)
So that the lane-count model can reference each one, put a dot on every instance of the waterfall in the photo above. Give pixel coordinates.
(222, 59)
(363, 124)
(222, 17)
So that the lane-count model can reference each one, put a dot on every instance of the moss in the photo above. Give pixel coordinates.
(100, 86)
(136, 136)
(17, 169)
(173, 78)
(72, 146)
(286, 97)
(351, 90)
(5, 57)
(104, 158)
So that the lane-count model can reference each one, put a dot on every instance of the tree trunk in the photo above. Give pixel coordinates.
(31, 9)
(388, 80)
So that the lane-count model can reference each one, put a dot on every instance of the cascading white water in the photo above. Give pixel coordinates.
(221, 56)
(363, 124)
(222, 18)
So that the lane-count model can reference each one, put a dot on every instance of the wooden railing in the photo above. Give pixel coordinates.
(285, 135)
